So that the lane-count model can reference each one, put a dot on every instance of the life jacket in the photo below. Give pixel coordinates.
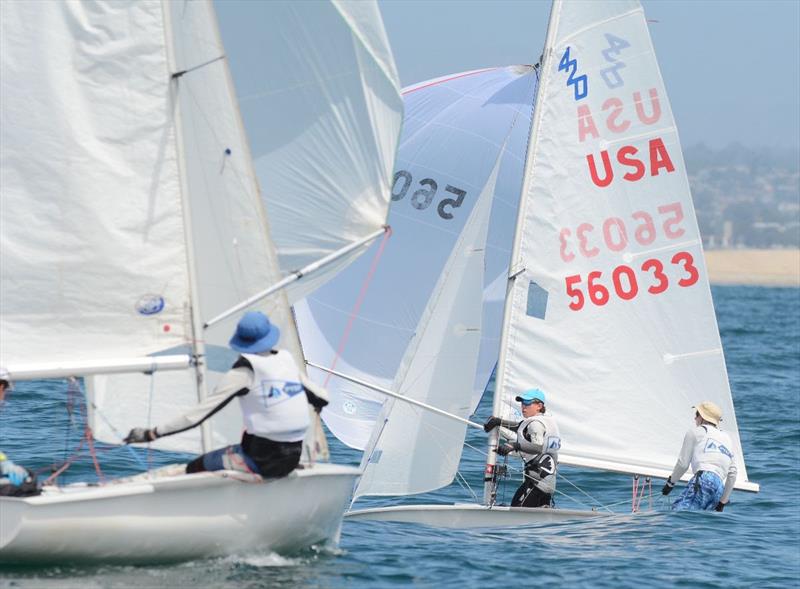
(541, 466)
(527, 435)
(276, 407)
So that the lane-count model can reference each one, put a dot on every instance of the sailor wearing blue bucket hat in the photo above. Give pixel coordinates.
(274, 396)
(537, 442)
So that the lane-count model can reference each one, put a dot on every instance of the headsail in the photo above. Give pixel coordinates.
(455, 127)
(413, 450)
(610, 310)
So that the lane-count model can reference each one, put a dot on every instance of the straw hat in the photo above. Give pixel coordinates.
(709, 411)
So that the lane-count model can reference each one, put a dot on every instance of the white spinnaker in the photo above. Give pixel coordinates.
(233, 256)
(413, 450)
(452, 135)
(320, 100)
(92, 255)
(621, 372)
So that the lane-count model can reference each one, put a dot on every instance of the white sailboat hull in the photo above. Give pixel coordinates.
(178, 517)
(469, 515)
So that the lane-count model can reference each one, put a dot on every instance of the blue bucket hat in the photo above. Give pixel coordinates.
(254, 334)
(530, 396)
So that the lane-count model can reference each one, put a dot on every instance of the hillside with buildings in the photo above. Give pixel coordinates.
(746, 198)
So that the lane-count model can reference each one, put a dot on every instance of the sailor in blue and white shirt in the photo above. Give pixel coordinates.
(274, 397)
(709, 451)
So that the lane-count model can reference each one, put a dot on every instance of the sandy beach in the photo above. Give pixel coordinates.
(754, 267)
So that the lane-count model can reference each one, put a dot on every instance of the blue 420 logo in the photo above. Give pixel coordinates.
(580, 83)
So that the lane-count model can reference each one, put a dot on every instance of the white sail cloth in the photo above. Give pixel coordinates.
(413, 450)
(611, 311)
(92, 258)
(130, 211)
(320, 99)
(453, 132)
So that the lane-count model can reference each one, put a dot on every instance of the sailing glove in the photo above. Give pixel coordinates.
(140, 434)
(506, 449)
(491, 423)
(668, 487)
(720, 506)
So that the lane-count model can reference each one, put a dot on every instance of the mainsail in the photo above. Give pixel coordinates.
(609, 309)
(93, 264)
(128, 259)
(454, 131)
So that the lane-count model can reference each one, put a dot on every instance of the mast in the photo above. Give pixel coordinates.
(489, 474)
(198, 343)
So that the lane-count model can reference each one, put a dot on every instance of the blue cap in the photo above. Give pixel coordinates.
(530, 396)
(254, 334)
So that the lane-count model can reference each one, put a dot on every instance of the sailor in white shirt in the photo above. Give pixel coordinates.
(708, 450)
(274, 396)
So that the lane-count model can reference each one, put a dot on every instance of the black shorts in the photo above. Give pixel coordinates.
(274, 459)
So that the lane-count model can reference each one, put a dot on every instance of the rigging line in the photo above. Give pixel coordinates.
(335, 309)
(561, 476)
(464, 484)
(357, 306)
(177, 75)
(599, 503)
(117, 434)
(570, 497)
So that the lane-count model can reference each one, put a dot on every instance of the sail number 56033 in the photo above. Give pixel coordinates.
(615, 232)
(625, 284)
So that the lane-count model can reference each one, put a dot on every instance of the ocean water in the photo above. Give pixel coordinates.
(754, 543)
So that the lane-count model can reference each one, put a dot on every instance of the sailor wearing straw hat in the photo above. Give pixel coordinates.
(708, 450)
(274, 397)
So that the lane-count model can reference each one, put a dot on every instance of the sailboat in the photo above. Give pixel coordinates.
(133, 234)
(608, 306)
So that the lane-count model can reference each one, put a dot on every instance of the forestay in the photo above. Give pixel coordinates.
(320, 99)
(454, 130)
(610, 310)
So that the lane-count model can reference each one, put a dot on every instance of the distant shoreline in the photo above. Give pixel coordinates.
(779, 267)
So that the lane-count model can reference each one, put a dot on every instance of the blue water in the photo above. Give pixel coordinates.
(754, 543)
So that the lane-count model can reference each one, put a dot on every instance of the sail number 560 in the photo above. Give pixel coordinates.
(625, 284)
(423, 196)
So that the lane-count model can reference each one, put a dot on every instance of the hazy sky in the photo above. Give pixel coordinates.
(731, 67)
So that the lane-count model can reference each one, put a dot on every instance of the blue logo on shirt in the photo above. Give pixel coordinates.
(712, 446)
(292, 388)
